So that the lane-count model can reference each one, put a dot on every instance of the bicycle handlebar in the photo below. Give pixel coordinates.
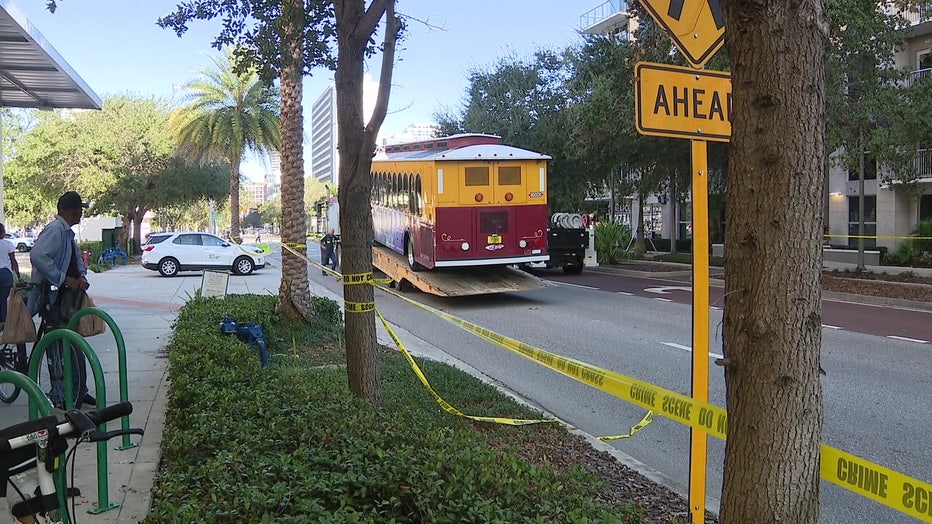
(78, 424)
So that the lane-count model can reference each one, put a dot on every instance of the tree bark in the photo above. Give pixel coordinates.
(356, 139)
(234, 198)
(773, 257)
(294, 300)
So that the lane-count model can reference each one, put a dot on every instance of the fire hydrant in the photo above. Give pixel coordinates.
(86, 255)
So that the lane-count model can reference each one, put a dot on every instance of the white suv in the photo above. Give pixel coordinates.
(171, 253)
(20, 243)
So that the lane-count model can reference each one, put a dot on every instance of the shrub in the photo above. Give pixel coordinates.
(611, 242)
(289, 443)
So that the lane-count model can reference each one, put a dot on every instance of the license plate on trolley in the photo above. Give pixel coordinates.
(495, 239)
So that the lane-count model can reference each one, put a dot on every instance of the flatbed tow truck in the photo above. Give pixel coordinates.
(453, 282)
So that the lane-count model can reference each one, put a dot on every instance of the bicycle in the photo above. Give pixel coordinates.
(14, 358)
(26, 445)
(51, 377)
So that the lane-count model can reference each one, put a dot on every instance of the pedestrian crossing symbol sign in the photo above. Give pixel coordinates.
(697, 27)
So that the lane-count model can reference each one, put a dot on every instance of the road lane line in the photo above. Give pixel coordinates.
(573, 285)
(689, 349)
(826, 326)
(905, 339)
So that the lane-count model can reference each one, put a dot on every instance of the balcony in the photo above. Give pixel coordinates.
(611, 17)
(915, 76)
(923, 163)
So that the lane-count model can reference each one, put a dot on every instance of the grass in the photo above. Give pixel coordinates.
(291, 444)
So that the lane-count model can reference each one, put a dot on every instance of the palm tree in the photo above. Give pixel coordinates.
(229, 113)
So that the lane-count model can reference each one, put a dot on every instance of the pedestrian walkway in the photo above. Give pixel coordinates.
(144, 306)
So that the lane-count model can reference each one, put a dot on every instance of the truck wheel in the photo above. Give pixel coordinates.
(573, 269)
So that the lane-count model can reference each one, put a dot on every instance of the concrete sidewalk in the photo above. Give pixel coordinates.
(144, 306)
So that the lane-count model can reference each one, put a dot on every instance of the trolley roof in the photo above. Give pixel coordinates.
(470, 146)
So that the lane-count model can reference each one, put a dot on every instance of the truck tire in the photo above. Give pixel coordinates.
(573, 269)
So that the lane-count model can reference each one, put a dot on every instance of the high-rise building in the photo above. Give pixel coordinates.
(255, 190)
(413, 133)
(273, 178)
(325, 161)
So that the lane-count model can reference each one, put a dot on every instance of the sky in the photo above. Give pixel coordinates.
(116, 48)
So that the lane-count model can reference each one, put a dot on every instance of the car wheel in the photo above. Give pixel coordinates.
(22, 248)
(243, 266)
(168, 267)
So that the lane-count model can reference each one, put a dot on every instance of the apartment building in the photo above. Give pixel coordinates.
(890, 213)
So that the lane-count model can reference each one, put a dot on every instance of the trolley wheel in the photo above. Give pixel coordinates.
(410, 253)
(13, 358)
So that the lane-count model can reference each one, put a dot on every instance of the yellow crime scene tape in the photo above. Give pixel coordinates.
(893, 489)
(443, 403)
(885, 237)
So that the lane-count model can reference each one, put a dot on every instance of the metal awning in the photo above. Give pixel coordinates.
(32, 73)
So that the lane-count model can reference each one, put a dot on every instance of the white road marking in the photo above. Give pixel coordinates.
(573, 285)
(664, 299)
(689, 349)
(666, 289)
(625, 293)
(905, 339)
(826, 326)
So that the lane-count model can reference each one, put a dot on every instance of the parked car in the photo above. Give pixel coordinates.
(20, 243)
(171, 253)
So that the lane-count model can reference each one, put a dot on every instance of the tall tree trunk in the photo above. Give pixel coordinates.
(234, 198)
(773, 322)
(294, 299)
(356, 140)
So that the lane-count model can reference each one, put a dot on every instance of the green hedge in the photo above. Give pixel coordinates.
(289, 443)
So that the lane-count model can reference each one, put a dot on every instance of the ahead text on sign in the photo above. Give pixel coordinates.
(679, 102)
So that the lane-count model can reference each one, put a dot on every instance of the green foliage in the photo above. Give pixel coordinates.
(229, 113)
(290, 443)
(916, 251)
(611, 242)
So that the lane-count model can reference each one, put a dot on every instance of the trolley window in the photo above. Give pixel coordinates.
(477, 176)
(509, 176)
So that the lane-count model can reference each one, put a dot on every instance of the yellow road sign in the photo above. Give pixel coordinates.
(697, 27)
(680, 102)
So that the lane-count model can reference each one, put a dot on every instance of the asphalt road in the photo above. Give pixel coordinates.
(876, 389)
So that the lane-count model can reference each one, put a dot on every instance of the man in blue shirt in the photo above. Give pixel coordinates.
(56, 264)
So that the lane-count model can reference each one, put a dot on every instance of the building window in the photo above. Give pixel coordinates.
(870, 169)
(870, 220)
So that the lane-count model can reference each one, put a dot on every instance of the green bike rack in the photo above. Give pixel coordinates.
(43, 406)
(121, 361)
(71, 338)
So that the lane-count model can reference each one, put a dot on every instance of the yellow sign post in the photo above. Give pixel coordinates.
(697, 27)
(700, 363)
(680, 102)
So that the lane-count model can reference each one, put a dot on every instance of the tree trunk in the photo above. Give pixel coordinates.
(773, 322)
(356, 139)
(294, 299)
(362, 363)
(137, 233)
(234, 199)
